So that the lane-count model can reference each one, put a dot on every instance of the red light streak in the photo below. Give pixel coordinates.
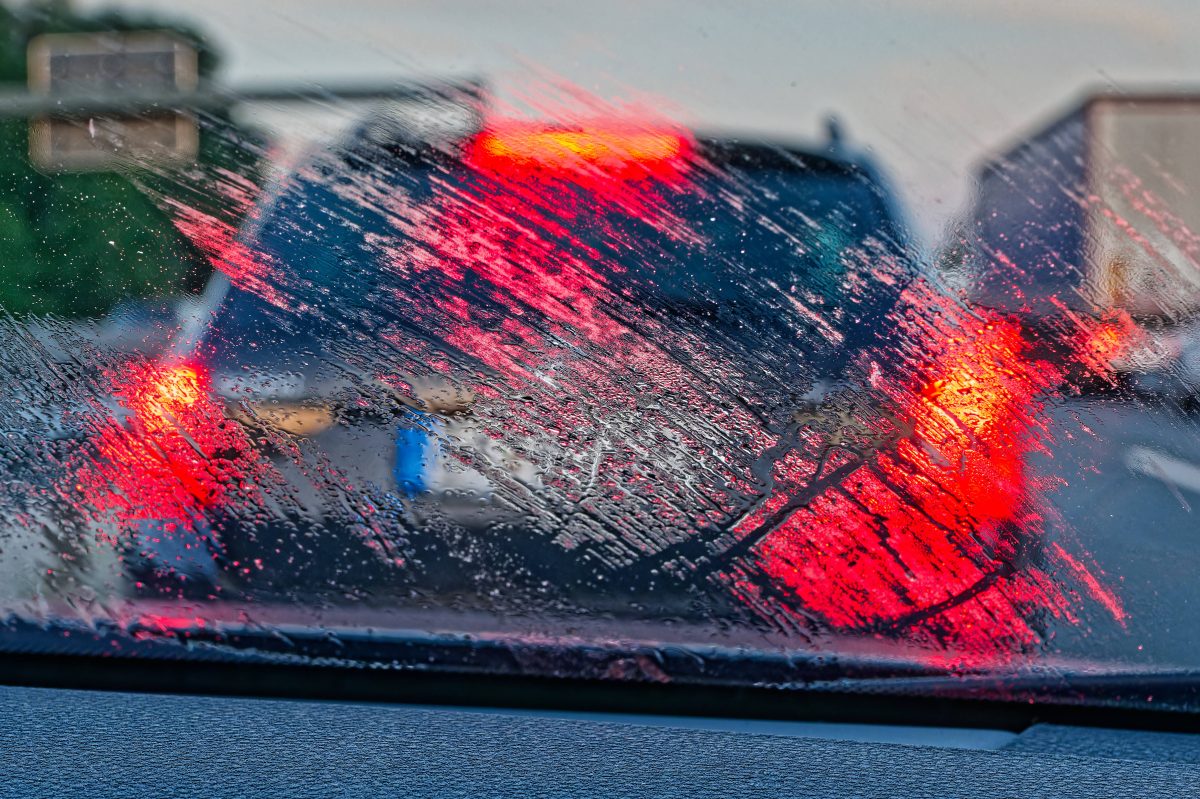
(218, 241)
(1098, 591)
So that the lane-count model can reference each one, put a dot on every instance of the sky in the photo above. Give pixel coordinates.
(929, 87)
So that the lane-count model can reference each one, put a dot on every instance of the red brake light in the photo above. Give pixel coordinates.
(622, 150)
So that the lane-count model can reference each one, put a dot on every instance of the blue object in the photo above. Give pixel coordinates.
(416, 447)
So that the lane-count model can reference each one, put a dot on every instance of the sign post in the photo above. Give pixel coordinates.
(76, 66)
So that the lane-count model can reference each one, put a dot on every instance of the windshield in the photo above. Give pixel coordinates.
(514, 344)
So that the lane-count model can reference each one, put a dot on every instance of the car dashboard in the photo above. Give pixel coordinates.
(100, 743)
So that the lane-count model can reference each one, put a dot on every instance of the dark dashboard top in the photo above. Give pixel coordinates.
(71, 743)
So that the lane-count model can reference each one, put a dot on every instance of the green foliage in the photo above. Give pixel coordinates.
(76, 244)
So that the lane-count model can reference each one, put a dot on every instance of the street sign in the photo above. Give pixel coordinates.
(67, 68)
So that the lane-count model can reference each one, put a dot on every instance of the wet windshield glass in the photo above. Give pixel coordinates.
(478, 356)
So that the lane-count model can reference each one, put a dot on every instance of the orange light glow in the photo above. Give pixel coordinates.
(1110, 341)
(178, 386)
(972, 420)
(980, 383)
(556, 146)
(620, 150)
(164, 394)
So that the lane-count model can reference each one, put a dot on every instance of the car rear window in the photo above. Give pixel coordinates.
(743, 238)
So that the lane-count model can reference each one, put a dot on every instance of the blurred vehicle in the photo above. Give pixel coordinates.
(448, 393)
(1096, 214)
(305, 340)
